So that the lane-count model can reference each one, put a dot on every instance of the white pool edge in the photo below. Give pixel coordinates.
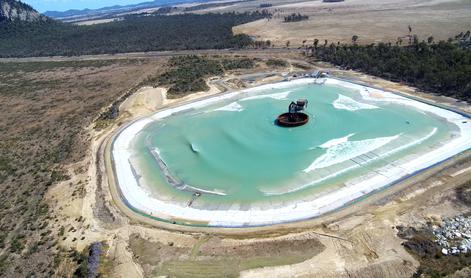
(141, 200)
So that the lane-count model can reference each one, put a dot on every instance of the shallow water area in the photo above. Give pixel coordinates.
(225, 162)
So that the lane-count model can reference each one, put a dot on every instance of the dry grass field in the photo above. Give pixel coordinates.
(371, 20)
(45, 108)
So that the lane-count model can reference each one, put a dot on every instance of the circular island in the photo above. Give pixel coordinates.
(294, 117)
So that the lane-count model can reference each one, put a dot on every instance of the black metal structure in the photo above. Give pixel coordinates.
(294, 117)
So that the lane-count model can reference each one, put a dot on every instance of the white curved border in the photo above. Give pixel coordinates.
(142, 201)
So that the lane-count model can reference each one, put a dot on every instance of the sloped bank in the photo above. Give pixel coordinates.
(139, 201)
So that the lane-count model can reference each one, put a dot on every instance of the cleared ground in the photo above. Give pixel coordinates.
(45, 103)
(216, 257)
(372, 21)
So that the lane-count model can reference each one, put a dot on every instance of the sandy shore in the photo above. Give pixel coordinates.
(140, 201)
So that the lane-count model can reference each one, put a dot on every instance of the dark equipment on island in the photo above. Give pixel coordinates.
(294, 117)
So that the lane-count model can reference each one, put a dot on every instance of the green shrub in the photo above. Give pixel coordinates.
(276, 63)
(231, 64)
(17, 244)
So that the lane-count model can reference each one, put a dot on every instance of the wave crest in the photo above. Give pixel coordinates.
(346, 103)
(280, 96)
(344, 150)
(232, 107)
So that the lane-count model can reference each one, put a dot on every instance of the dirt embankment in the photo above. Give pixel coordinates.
(360, 240)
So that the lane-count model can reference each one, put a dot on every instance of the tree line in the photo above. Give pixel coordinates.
(294, 17)
(442, 67)
(133, 34)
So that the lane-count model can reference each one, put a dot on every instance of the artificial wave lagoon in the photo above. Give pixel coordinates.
(223, 161)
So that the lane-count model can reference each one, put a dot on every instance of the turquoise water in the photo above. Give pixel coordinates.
(239, 151)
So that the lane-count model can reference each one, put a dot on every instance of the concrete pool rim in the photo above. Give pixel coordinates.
(199, 225)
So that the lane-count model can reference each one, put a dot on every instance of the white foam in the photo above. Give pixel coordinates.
(411, 144)
(194, 148)
(233, 107)
(346, 103)
(354, 166)
(335, 141)
(214, 192)
(376, 95)
(341, 151)
(151, 205)
(279, 96)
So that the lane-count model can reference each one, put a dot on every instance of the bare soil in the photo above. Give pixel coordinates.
(216, 257)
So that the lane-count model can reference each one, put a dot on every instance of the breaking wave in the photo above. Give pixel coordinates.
(201, 190)
(346, 103)
(334, 142)
(283, 95)
(411, 144)
(342, 150)
(233, 107)
(344, 170)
